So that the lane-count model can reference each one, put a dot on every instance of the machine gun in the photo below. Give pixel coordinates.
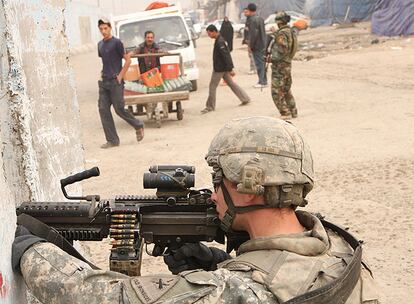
(174, 216)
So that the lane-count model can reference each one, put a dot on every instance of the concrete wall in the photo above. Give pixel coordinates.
(39, 117)
(82, 23)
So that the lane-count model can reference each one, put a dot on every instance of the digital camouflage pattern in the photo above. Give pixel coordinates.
(272, 145)
(266, 270)
(283, 51)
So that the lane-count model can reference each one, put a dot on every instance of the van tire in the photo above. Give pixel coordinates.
(194, 85)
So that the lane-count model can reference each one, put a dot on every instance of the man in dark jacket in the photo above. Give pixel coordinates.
(257, 43)
(148, 47)
(245, 40)
(222, 68)
(227, 32)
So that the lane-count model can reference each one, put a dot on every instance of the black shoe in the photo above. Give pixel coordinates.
(108, 145)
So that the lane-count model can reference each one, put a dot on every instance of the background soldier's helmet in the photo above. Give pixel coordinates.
(263, 156)
(282, 16)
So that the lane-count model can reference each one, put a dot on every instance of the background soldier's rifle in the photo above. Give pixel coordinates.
(268, 52)
(174, 216)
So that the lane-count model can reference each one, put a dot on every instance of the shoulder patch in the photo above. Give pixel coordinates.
(150, 289)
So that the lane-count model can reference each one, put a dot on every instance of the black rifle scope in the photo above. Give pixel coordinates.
(169, 177)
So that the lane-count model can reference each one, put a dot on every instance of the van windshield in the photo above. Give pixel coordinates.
(170, 33)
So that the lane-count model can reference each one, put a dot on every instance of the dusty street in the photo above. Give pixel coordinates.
(356, 109)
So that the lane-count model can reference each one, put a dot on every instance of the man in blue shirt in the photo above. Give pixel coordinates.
(111, 86)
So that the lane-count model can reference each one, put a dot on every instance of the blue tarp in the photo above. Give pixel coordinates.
(321, 12)
(393, 18)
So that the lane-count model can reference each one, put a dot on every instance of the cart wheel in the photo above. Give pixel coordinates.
(157, 118)
(180, 111)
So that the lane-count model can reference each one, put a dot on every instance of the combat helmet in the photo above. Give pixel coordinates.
(282, 16)
(262, 156)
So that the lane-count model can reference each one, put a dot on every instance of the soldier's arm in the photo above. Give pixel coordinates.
(280, 47)
(53, 276)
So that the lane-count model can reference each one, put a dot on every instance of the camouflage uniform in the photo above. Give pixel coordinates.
(282, 54)
(266, 270)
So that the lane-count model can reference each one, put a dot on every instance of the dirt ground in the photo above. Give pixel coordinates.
(356, 109)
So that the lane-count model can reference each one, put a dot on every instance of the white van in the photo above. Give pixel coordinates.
(171, 33)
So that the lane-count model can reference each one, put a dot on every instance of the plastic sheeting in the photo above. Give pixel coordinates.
(268, 7)
(321, 12)
(327, 12)
(393, 18)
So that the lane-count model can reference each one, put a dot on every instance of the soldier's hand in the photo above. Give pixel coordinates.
(195, 256)
(232, 73)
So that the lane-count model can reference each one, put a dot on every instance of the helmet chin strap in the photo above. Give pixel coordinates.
(232, 210)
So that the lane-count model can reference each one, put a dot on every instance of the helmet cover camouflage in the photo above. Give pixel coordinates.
(273, 146)
(282, 16)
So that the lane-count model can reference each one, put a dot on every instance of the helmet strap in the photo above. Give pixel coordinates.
(232, 210)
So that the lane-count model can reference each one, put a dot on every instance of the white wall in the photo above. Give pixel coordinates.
(39, 118)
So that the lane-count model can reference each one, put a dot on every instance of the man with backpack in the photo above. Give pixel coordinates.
(282, 50)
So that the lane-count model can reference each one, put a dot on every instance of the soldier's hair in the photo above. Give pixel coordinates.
(149, 32)
(211, 28)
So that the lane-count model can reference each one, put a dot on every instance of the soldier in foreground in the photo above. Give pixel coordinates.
(262, 171)
(282, 51)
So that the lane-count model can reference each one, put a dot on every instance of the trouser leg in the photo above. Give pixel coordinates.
(260, 66)
(240, 93)
(252, 65)
(290, 100)
(278, 93)
(117, 98)
(104, 106)
(212, 89)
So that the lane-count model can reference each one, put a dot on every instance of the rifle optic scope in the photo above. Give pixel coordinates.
(169, 177)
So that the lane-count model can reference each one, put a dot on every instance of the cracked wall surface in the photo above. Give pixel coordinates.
(39, 117)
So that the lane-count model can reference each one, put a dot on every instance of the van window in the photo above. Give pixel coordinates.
(170, 33)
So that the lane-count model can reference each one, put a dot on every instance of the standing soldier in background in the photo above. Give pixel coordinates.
(111, 86)
(282, 50)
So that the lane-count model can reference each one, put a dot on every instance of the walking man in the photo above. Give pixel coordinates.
(282, 52)
(148, 47)
(257, 44)
(111, 86)
(222, 68)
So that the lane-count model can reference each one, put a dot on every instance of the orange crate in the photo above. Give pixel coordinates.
(170, 70)
(170, 67)
(152, 78)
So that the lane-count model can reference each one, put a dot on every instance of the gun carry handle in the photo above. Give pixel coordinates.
(77, 178)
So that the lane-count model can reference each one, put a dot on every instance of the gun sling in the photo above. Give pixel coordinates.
(336, 292)
(51, 235)
(339, 290)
